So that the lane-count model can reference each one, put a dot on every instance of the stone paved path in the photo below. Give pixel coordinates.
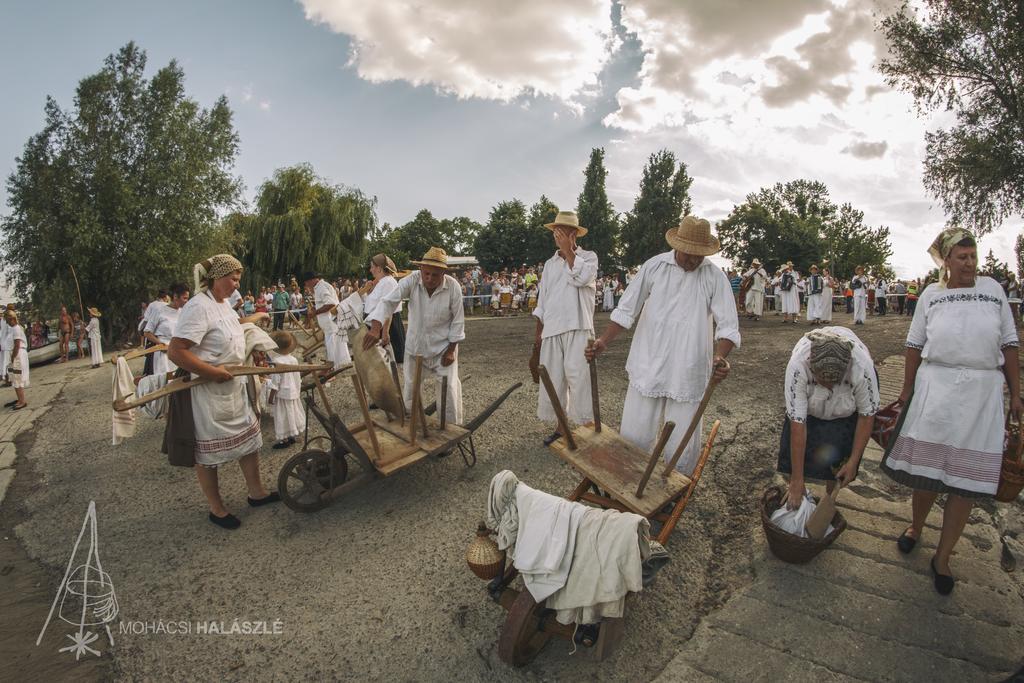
(863, 611)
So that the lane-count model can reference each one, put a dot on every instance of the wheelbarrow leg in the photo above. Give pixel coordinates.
(683, 500)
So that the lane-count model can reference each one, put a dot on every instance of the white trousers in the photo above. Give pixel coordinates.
(860, 308)
(643, 416)
(336, 346)
(5, 356)
(814, 304)
(96, 350)
(563, 357)
(755, 302)
(432, 373)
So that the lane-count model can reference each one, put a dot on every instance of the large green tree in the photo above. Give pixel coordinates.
(459, 233)
(597, 214)
(664, 198)
(302, 222)
(500, 243)
(967, 57)
(418, 235)
(129, 187)
(797, 221)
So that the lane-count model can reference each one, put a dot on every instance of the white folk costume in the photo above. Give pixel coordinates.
(859, 284)
(754, 302)
(789, 299)
(162, 326)
(815, 297)
(564, 306)
(5, 347)
(830, 415)
(18, 367)
(289, 418)
(609, 293)
(335, 342)
(827, 292)
(435, 321)
(669, 362)
(226, 428)
(951, 436)
(95, 343)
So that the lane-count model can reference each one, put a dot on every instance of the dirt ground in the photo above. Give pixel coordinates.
(374, 587)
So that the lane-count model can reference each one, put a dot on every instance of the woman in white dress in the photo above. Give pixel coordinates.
(609, 295)
(160, 327)
(383, 270)
(207, 337)
(961, 346)
(285, 393)
(17, 368)
(827, 292)
(788, 290)
(95, 343)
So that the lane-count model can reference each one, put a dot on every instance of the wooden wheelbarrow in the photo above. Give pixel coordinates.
(616, 475)
(380, 445)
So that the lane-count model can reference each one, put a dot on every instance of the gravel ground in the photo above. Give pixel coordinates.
(375, 586)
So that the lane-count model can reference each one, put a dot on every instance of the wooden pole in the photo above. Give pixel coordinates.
(444, 401)
(419, 397)
(666, 432)
(367, 420)
(593, 389)
(693, 426)
(556, 405)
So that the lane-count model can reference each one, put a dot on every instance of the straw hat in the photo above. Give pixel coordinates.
(285, 341)
(94, 312)
(567, 219)
(755, 262)
(435, 256)
(693, 236)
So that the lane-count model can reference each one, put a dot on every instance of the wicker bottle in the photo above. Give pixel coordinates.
(483, 556)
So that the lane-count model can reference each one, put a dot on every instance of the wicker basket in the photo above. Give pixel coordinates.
(483, 556)
(1011, 476)
(790, 547)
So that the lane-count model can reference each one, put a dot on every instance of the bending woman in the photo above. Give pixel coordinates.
(208, 336)
(962, 344)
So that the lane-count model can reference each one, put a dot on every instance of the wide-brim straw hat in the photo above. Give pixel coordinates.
(755, 262)
(94, 312)
(693, 236)
(285, 341)
(435, 256)
(567, 219)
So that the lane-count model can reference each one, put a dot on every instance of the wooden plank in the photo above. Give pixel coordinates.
(616, 466)
(436, 441)
(390, 468)
(395, 452)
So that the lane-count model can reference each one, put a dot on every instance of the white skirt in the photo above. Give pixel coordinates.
(18, 371)
(226, 428)
(162, 364)
(289, 418)
(952, 435)
(96, 350)
(826, 305)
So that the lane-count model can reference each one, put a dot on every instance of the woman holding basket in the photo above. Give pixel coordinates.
(961, 346)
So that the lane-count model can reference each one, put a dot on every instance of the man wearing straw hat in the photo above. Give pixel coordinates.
(95, 343)
(675, 296)
(436, 326)
(565, 322)
(325, 302)
(754, 303)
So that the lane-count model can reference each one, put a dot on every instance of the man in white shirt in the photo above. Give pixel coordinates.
(436, 326)
(153, 311)
(325, 303)
(565, 321)
(675, 296)
(881, 292)
(754, 303)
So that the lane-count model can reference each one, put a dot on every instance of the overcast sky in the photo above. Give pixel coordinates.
(455, 105)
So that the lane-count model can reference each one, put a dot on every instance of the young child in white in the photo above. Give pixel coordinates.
(285, 390)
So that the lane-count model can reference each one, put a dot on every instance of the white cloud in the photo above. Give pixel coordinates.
(265, 105)
(470, 48)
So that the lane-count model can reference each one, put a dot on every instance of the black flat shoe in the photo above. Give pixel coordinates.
(228, 521)
(906, 543)
(944, 583)
(270, 498)
(551, 439)
(280, 444)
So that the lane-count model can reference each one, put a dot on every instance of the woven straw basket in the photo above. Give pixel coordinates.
(483, 556)
(790, 547)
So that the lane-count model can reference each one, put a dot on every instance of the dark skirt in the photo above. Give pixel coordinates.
(829, 443)
(397, 335)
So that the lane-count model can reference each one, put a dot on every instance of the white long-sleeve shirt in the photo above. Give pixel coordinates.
(287, 384)
(93, 328)
(163, 323)
(672, 349)
(324, 293)
(435, 320)
(387, 284)
(760, 278)
(566, 298)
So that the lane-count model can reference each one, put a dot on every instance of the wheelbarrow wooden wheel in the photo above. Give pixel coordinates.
(306, 476)
(521, 636)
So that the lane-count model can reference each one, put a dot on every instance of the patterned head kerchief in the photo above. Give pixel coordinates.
(830, 355)
(942, 245)
(208, 270)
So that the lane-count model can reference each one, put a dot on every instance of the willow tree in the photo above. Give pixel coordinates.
(303, 223)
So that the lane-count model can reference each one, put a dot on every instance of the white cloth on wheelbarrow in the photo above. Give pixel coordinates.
(546, 539)
(610, 549)
(122, 422)
(502, 513)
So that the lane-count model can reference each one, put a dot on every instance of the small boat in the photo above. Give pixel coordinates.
(50, 351)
